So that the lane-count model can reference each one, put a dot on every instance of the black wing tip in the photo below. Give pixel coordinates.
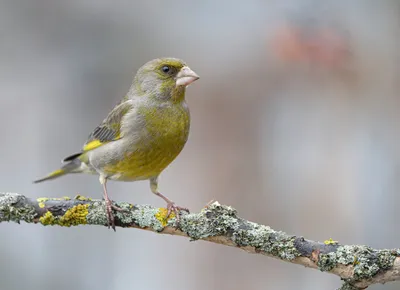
(72, 157)
(38, 181)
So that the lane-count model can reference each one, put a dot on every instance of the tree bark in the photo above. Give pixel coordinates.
(358, 265)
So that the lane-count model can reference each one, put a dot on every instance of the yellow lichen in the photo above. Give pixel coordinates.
(66, 198)
(41, 201)
(162, 217)
(74, 216)
(330, 242)
(47, 219)
(82, 198)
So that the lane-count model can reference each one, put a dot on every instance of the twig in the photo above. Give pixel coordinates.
(359, 266)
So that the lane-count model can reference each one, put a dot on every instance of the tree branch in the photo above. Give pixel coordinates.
(359, 266)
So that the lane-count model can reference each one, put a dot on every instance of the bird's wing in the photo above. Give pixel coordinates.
(110, 129)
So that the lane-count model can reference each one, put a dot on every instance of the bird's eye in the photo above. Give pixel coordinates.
(166, 68)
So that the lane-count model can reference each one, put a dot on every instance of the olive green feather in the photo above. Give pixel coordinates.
(144, 133)
(109, 130)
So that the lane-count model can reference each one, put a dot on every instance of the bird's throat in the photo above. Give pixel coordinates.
(178, 94)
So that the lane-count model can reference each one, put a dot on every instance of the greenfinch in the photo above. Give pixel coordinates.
(142, 135)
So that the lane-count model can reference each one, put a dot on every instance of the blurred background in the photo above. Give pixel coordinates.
(294, 123)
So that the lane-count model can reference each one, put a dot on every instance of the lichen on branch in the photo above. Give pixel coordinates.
(359, 266)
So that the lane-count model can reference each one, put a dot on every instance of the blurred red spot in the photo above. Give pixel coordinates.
(331, 48)
(287, 44)
(323, 46)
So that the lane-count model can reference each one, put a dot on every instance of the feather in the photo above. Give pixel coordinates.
(110, 129)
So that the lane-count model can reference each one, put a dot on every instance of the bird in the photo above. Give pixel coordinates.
(141, 135)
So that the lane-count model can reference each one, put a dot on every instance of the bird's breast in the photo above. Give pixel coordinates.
(158, 143)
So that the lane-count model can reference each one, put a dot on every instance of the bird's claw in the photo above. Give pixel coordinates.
(110, 216)
(117, 208)
(172, 207)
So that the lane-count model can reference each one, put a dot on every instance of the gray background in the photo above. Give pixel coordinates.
(304, 147)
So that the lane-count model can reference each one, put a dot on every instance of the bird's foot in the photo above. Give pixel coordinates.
(110, 216)
(172, 207)
(117, 208)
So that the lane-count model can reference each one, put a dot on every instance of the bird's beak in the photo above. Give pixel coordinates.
(186, 76)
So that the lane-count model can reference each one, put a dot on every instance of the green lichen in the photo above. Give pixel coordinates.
(386, 259)
(72, 217)
(16, 208)
(367, 262)
(281, 245)
(144, 216)
(344, 255)
(365, 270)
(126, 215)
(257, 236)
(214, 220)
(97, 214)
(326, 262)
(347, 255)
(348, 286)
(266, 240)
(196, 226)
(217, 220)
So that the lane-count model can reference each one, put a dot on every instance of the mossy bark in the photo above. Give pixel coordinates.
(359, 266)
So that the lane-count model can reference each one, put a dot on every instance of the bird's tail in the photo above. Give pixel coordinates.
(70, 167)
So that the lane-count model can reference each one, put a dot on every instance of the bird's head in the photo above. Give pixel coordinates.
(164, 78)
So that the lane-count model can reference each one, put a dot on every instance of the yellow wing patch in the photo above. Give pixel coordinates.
(109, 129)
(97, 143)
(92, 145)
